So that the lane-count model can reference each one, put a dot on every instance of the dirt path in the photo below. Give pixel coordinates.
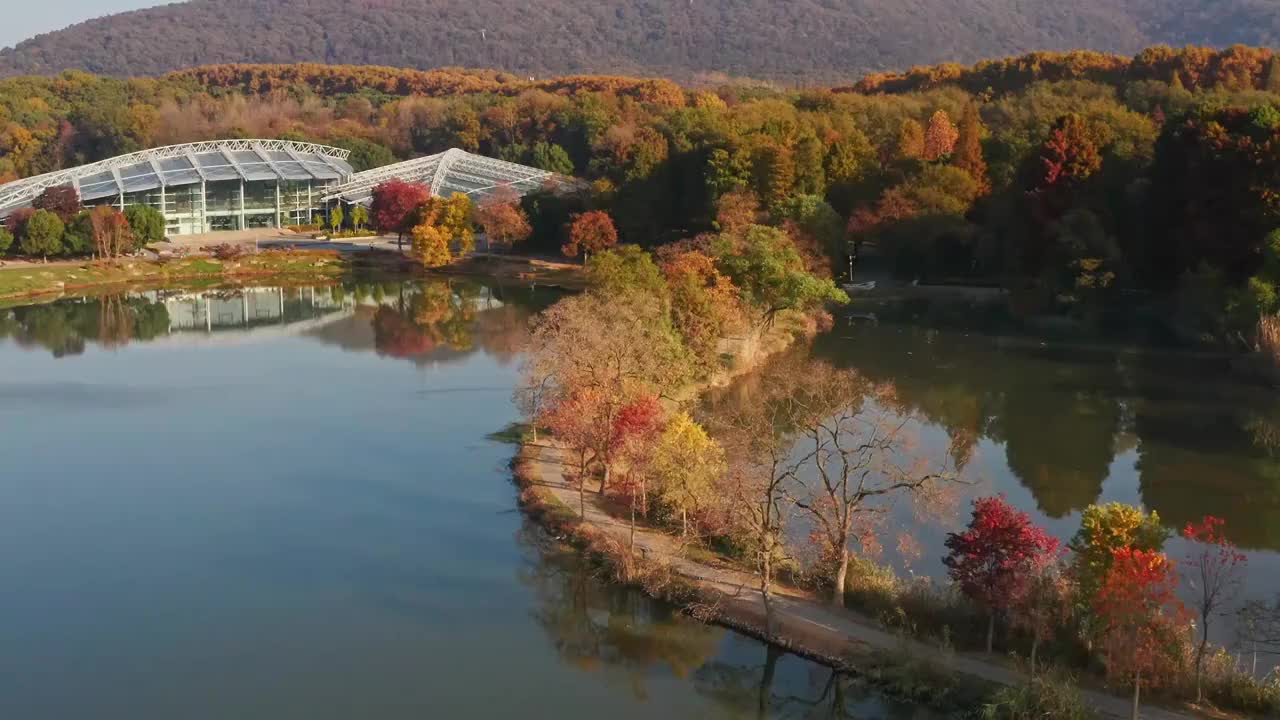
(805, 621)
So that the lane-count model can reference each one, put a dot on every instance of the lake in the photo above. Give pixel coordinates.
(284, 503)
(1057, 423)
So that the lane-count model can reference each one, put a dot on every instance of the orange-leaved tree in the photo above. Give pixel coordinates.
(940, 137)
(501, 218)
(1142, 618)
(590, 232)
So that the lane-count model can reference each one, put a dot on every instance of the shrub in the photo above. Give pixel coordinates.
(6, 240)
(1044, 696)
(1231, 687)
(225, 251)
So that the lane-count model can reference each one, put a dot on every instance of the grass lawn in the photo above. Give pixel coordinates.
(34, 280)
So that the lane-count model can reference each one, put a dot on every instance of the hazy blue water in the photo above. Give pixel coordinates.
(300, 516)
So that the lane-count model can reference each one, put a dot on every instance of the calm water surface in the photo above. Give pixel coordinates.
(282, 503)
(1057, 424)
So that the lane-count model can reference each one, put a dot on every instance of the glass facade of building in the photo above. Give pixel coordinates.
(205, 187)
(229, 205)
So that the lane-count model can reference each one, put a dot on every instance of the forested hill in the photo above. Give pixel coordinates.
(804, 41)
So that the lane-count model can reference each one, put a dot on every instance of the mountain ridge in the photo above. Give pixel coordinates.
(800, 42)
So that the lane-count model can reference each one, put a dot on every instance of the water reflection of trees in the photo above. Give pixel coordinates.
(420, 320)
(1064, 411)
(416, 319)
(66, 327)
(596, 626)
(629, 639)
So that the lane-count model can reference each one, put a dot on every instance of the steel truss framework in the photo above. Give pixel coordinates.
(187, 164)
(446, 173)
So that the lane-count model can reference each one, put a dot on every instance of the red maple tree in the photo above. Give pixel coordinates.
(395, 206)
(635, 430)
(61, 200)
(1216, 571)
(995, 558)
(1141, 618)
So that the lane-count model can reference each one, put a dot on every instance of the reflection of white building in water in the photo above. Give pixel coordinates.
(238, 309)
(257, 313)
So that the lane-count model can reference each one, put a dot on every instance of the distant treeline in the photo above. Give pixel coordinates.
(1072, 178)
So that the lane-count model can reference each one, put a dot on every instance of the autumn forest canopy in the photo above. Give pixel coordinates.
(1073, 177)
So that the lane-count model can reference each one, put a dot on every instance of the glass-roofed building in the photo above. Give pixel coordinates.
(246, 184)
(205, 186)
(449, 172)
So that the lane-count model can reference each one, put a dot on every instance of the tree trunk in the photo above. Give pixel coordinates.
(684, 523)
(766, 580)
(766, 681)
(534, 426)
(604, 479)
(1137, 687)
(1035, 646)
(632, 548)
(842, 572)
(991, 631)
(582, 500)
(1200, 651)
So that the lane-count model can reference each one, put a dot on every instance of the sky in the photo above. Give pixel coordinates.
(26, 18)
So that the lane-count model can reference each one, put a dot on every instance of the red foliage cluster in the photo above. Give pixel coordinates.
(395, 205)
(61, 200)
(638, 420)
(995, 559)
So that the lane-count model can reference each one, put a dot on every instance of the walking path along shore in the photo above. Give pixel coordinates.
(730, 596)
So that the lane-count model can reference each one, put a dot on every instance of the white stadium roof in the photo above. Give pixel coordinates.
(187, 164)
(449, 172)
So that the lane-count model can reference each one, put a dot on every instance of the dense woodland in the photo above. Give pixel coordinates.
(1077, 179)
(801, 41)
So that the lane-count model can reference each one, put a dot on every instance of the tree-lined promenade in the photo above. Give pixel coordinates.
(792, 483)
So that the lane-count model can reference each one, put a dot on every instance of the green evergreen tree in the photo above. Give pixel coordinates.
(146, 223)
(551, 157)
(77, 239)
(42, 236)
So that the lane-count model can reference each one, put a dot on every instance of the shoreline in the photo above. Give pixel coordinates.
(712, 589)
(49, 282)
(839, 638)
(44, 282)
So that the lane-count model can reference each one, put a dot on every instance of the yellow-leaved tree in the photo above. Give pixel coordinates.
(431, 245)
(457, 222)
(686, 463)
